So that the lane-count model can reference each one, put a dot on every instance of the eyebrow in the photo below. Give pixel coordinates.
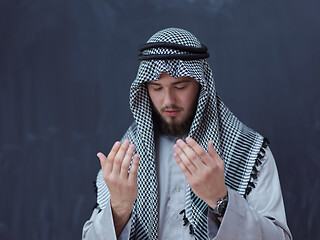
(174, 83)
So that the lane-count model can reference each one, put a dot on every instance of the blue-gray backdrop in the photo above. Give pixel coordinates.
(65, 71)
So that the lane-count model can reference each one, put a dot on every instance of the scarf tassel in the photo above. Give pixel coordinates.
(96, 192)
(255, 171)
(186, 222)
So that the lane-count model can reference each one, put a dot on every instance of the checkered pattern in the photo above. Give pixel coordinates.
(175, 35)
(236, 144)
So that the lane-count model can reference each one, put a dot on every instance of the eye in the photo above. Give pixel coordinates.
(154, 87)
(157, 88)
(180, 87)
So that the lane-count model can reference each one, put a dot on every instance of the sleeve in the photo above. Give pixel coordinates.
(261, 216)
(100, 226)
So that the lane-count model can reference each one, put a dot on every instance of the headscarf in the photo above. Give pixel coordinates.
(240, 147)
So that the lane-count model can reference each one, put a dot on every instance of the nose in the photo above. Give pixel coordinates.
(169, 98)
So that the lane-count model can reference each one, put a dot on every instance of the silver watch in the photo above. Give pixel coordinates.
(221, 207)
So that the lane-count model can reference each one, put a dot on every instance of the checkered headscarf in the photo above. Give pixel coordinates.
(240, 147)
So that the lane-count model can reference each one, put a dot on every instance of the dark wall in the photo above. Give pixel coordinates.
(65, 72)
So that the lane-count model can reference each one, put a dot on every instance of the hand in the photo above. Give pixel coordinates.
(203, 171)
(121, 183)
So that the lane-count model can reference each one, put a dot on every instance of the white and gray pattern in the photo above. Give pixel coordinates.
(237, 145)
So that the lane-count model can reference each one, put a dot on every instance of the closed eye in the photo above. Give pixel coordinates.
(180, 87)
(157, 88)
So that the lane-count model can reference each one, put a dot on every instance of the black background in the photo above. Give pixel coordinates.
(65, 71)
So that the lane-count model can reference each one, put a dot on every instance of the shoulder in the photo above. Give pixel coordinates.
(268, 159)
(267, 171)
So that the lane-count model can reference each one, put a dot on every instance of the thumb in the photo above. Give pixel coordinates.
(102, 159)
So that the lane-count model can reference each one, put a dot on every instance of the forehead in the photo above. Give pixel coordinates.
(167, 79)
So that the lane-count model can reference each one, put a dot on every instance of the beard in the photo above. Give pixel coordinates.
(173, 128)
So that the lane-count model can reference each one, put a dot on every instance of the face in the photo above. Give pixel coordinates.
(174, 99)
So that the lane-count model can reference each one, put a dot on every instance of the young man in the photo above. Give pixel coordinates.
(187, 168)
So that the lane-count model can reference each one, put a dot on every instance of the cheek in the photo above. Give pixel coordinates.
(190, 100)
(156, 101)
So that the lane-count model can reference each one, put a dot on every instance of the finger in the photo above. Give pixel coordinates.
(134, 168)
(120, 156)
(103, 161)
(182, 167)
(213, 153)
(126, 162)
(188, 163)
(114, 150)
(190, 153)
(198, 150)
(111, 155)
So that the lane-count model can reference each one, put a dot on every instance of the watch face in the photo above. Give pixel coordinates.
(222, 206)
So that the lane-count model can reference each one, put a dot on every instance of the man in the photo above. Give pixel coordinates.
(187, 168)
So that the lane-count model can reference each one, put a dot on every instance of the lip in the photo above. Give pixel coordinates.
(172, 112)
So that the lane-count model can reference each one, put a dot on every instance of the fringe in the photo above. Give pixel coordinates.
(96, 191)
(186, 222)
(255, 170)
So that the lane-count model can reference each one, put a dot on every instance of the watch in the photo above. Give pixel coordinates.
(221, 207)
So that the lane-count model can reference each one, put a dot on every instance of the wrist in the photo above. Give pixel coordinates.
(121, 210)
(213, 203)
(121, 216)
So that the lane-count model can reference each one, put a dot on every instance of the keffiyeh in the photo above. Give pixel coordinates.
(240, 147)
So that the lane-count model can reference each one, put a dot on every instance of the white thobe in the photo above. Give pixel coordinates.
(260, 216)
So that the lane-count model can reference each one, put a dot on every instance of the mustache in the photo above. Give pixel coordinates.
(172, 107)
